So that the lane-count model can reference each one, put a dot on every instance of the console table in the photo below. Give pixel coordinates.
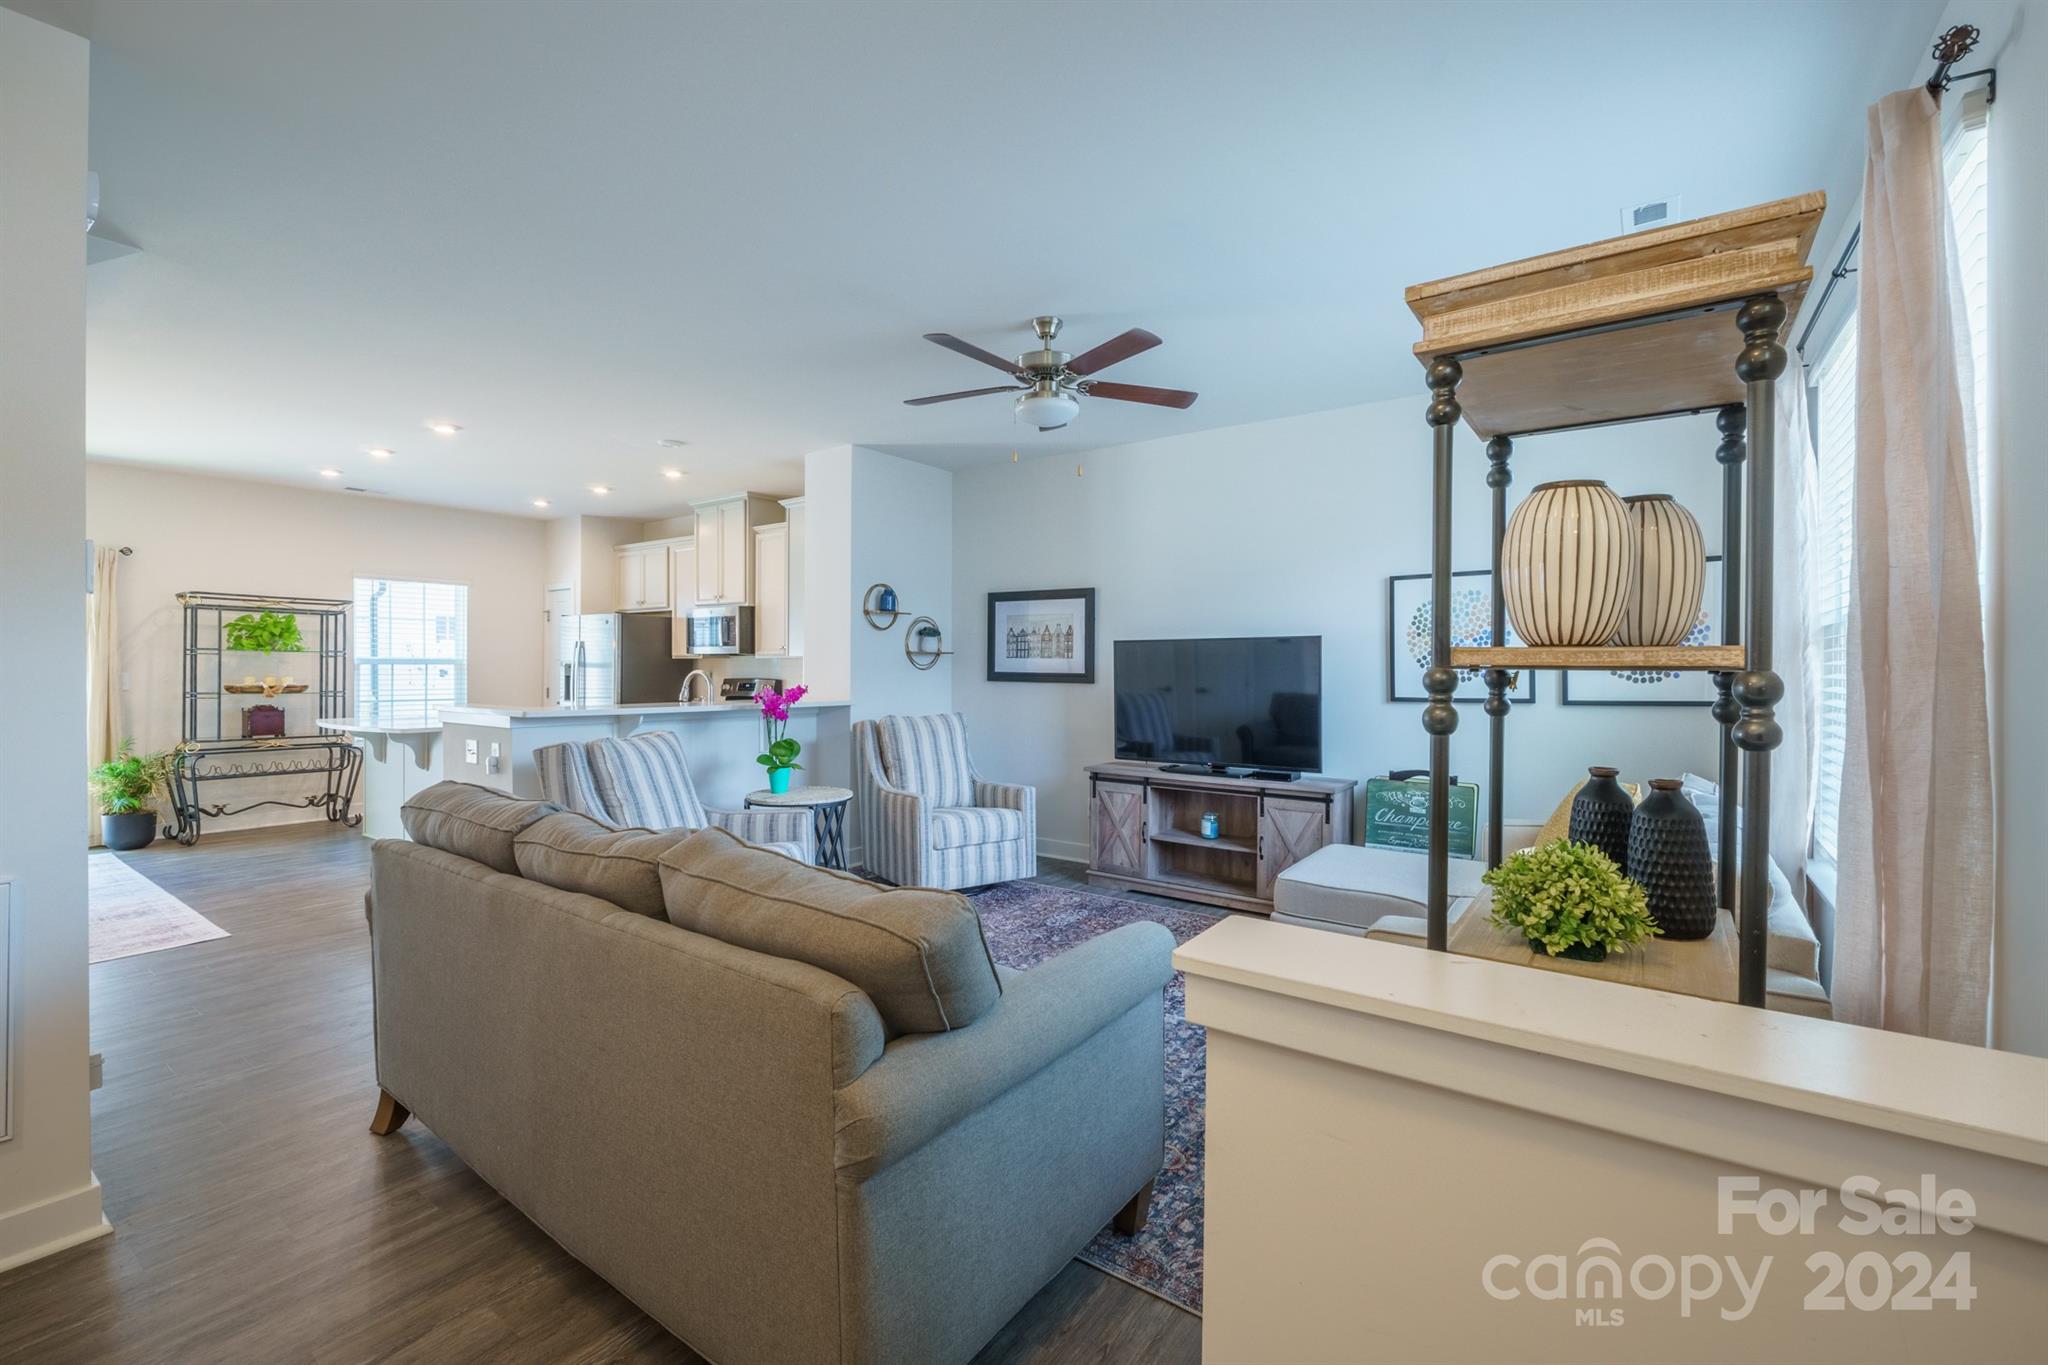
(1145, 831)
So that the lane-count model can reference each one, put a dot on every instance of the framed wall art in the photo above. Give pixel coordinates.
(1045, 636)
(1408, 629)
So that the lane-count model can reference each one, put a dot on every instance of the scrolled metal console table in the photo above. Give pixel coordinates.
(206, 753)
(1682, 320)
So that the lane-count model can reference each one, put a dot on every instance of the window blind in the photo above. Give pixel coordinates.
(411, 647)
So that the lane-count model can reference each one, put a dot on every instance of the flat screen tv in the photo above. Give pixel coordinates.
(1222, 704)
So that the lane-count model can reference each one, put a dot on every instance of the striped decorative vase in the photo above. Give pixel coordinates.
(1565, 564)
(1669, 574)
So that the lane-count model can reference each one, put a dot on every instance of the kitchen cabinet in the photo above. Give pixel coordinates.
(641, 576)
(725, 546)
(795, 518)
(771, 590)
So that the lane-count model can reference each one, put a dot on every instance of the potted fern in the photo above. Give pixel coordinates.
(126, 787)
(1569, 900)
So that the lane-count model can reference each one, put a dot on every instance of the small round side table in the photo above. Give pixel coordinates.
(828, 815)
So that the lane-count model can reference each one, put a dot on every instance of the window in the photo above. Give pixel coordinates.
(1833, 404)
(411, 647)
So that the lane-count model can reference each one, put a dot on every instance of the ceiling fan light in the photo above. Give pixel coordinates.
(1047, 410)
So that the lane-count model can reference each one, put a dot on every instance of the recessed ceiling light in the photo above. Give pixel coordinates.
(671, 473)
(540, 502)
(379, 452)
(330, 473)
(599, 489)
(671, 443)
(443, 428)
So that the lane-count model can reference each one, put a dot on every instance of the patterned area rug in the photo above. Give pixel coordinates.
(1026, 923)
(131, 914)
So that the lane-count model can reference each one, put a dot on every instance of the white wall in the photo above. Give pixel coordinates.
(831, 602)
(1290, 527)
(49, 1198)
(904, 514)
(226, 535)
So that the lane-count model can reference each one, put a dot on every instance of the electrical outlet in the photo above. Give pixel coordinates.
(469, 752)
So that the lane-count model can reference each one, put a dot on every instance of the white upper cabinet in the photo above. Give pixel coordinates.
(682, 592)
(725, 546)
(642, 576)
(771, 589)
(794, 510)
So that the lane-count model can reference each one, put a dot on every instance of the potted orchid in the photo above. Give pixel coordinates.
(780, 760)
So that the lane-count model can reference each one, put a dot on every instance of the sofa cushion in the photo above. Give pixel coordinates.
(645, 781)
(918, 954)
(962, 826)
(471, 822)
(1349, 886)
(572, 852)
(927, 756)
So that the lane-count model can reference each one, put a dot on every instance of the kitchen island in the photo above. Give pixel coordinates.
(493, 746)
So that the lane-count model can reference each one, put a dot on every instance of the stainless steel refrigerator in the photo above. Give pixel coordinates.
(620, 657)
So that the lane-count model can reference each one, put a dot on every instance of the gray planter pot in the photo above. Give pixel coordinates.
(124, 833)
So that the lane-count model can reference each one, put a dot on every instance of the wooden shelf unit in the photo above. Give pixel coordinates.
(1675, 659)
(1683, 319)
(1144, 826)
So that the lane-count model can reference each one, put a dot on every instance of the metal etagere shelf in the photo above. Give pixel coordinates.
(212, 744)
(1682, 320)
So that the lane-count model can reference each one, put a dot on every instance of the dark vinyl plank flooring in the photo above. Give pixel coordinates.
(256, 1219)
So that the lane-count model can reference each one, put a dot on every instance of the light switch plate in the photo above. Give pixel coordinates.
(469, 751)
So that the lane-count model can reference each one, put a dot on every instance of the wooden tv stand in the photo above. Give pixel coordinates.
(1144, 827)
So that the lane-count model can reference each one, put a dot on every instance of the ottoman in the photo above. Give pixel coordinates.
(1350, 888)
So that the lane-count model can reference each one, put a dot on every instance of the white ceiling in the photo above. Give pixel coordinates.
(577, 228)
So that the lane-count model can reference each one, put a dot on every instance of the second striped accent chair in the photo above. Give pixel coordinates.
(644, 783)
(927, 818)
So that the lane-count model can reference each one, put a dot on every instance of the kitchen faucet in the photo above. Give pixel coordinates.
(695, 673)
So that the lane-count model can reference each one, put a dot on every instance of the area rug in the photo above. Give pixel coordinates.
(131, 914)
(1028, 922)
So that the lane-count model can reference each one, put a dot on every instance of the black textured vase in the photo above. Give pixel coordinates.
(1668, 854)
(1601, 815)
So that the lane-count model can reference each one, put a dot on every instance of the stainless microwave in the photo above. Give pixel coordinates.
(720, 630)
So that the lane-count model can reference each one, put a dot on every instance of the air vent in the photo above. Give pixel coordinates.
(1654, 213)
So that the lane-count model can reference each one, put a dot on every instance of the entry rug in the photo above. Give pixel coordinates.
(131, 914)
(1028, 922)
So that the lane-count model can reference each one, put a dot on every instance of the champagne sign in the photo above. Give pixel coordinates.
(1397, 815)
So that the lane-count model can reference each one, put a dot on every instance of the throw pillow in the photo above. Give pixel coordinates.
(919, 955)
(927, 756)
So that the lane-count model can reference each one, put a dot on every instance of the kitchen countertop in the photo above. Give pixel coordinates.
(372, 725)
(503, 715)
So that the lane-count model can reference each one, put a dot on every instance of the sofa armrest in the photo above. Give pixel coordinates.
(764, 826)
(926, 1083)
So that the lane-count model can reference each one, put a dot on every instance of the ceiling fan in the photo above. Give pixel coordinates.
(1050, 384)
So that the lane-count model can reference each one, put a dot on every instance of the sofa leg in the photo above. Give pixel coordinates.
(391, 1116)
(1130, 1219)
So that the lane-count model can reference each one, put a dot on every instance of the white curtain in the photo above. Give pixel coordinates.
(1913, 918)
(102, 668)
(1793, 521)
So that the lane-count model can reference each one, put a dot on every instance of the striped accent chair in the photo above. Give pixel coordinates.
(644, 783)
(927, 818)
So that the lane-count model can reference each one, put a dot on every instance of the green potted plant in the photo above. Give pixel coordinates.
(780, 759)
(126, 787)
(269, 632)
(1570, 900)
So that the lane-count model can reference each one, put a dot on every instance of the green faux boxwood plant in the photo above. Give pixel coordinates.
(1570, 900)
(269, 632)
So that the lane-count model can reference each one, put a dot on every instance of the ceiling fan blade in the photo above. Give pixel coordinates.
(1142, 393)
(1112, 351)
(1061, 427)
(974, 352)
(964, 393)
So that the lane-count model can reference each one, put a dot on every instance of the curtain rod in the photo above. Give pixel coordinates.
(1950, 48)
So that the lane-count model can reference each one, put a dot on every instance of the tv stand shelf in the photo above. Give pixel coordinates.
(1144, 824)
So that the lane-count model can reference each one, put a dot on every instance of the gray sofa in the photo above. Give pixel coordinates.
(879, 1161)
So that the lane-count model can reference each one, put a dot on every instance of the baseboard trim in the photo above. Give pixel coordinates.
(55, 1225)
(1065, 850)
